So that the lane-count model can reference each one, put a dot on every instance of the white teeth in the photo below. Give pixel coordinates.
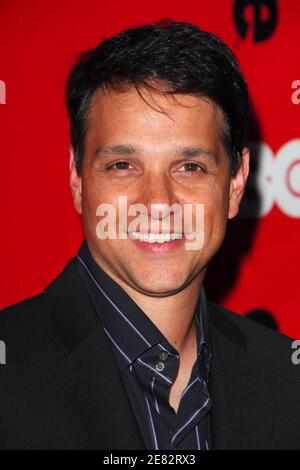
(156, 237)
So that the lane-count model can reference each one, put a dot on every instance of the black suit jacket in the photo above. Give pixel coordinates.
(61, 389)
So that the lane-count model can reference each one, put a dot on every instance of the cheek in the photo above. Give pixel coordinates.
(92, 197)
(215, 215)
(90, 202)
(108, 216)
(94, 193)
(99, 189)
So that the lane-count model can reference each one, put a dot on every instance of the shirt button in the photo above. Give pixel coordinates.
(163, 355)
(159, 366)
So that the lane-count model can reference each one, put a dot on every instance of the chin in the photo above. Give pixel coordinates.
(158, 287)
(159, 291)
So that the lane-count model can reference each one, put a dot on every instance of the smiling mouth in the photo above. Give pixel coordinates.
(156, 237)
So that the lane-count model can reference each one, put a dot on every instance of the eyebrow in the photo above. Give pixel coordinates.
(197, 152)
(188, 152)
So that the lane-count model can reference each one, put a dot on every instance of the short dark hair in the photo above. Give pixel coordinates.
(182, 56)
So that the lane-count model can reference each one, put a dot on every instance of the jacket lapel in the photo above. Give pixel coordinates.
(88, 379)
(243, 401)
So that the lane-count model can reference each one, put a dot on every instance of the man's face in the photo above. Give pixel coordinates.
(151, 157)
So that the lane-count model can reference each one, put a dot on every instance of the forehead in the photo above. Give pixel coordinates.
(153, 107)
(146, 114)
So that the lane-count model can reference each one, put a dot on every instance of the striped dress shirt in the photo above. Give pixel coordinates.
(148, 364)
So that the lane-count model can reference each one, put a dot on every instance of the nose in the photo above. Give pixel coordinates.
(159, 197)
(157, 189)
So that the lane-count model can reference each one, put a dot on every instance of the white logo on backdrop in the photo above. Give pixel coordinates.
(2, 92)
(276, 180)
(296, 94)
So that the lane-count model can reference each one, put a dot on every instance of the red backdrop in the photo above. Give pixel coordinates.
(40, 231)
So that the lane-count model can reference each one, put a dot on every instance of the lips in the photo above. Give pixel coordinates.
(158, 248)
(156, 237)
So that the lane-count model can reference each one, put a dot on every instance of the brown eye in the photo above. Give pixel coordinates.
(121, 165)
(191, 167)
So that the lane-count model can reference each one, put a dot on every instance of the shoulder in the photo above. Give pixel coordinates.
(24, 320)
(29, 318)
(43, 328)
(264, 346)
(23, 314)
(23, 331)
(245, 324)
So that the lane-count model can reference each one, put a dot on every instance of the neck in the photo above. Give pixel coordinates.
(173, 315)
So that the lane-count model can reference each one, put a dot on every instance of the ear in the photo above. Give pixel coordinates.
(238, 183)
(75, 182)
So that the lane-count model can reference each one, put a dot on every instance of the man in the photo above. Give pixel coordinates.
(122, 350)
